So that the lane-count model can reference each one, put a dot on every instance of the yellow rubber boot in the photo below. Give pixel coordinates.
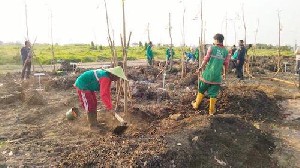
(196, 103)
(212, 106)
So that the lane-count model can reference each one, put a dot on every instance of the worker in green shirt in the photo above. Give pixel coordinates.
(149, 54)
(214, 63)
(169, 54)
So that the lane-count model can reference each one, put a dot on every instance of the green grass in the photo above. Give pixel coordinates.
(10, 54)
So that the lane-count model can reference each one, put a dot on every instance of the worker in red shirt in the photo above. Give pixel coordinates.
(97, 80)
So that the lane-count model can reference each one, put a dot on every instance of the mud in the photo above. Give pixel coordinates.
(164, 131)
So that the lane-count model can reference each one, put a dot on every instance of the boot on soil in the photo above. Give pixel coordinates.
(212, 106)
(92, 119)
(196, 103)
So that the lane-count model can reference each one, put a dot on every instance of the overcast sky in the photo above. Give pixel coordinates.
(83, 21)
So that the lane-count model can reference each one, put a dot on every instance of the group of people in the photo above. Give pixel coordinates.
(238, 59)
(212, 71)
(192, 55)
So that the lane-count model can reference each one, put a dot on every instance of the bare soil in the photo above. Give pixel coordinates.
(254, 119)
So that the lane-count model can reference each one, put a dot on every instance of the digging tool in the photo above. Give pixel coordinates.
(122, 127)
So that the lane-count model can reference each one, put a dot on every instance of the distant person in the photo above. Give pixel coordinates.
(169, 54)
(26, 60)
(89, 82)
(149, 54)
(214, 64)
(240, 60)
(190, 56)
(234, 55)
(197, 54)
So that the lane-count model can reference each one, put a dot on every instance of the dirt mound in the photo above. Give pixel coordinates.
(33, 97)
(249, 102)
(143, 73)
(220, 141)
(223, 141)
(190, 79)
(61, 83)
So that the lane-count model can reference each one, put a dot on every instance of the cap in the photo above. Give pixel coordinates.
(117, 71)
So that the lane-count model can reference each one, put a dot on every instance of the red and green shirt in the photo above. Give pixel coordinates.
(216, 57)
(96, 80)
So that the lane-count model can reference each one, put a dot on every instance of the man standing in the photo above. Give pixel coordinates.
(240, 60)
(297, 67)
(26, 60)
(169, 54)
(149, 54)
(214, 63)
(97, 80)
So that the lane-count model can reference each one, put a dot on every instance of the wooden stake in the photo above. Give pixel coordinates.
(52, 47)
(170, 34)
(124, 56)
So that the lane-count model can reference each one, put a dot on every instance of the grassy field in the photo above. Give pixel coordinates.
(10, 54)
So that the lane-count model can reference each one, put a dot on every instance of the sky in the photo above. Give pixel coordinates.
(83, 21)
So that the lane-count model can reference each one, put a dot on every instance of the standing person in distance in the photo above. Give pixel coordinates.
(26, 60)
(169, 54)
(149, 54)
(240, 60)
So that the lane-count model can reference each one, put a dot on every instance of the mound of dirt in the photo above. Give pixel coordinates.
(249, 102)
(61, 83)
(220, 141)
(190, 79)
(34, 98)
(223, 141)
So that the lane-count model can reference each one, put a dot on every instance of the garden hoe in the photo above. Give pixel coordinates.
(122, 127)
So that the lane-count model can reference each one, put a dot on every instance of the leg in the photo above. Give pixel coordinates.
(28, 64)
(89, 103)
(239, 71)
(23, 71)
(202, 88)
(213, 92)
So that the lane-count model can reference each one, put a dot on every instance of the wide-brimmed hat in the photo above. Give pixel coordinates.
(117, 71)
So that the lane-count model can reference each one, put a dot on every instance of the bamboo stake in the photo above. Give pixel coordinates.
(148, 30)
(170, 35)
(110, 41)
(52, 47)
(124, 56)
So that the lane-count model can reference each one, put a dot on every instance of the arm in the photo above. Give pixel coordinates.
(226, 64)
(206, 58)
(105, 84)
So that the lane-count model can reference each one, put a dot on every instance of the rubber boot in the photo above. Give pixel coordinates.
(196, 103)
(92, 119)
(212, 106)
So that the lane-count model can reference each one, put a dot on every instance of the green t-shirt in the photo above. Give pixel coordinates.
(214, 67)
(149, 52)
(88, 81)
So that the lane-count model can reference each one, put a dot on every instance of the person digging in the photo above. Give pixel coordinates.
(97, 80)
(215, 61)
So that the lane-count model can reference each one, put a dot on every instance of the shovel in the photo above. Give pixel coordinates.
(122, 127)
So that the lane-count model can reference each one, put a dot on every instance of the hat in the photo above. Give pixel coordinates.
(117, 71)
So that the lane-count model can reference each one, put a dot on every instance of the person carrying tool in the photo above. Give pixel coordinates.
(26, 60)
(97, 80)
(149, 54)
(215, 61)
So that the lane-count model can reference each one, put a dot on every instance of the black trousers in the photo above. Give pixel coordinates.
(239, 71)
(26, 69)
